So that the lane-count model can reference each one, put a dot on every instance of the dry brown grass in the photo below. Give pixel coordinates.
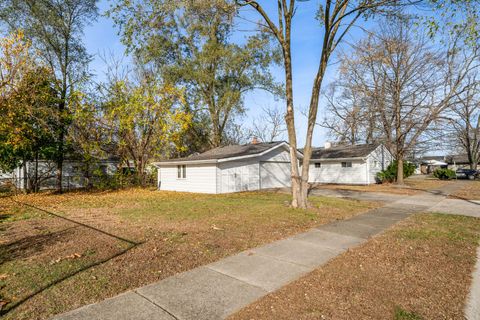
(411, 187)
(175, 232)
(420, 269)
(469, 191)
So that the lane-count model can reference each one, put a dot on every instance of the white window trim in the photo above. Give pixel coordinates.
(181, 171)
(347, 164)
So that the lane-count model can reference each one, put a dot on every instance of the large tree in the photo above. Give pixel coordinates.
(405, 85)
(144, 119)
(464, 122)
(55, 28)
(190, 44)
(337, 19)
(27, 108)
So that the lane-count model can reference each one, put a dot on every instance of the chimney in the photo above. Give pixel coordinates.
(328, 145)
(254, 140)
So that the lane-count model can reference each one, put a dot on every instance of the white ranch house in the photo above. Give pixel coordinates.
(267, 165)
(354, 164)
(228, 169)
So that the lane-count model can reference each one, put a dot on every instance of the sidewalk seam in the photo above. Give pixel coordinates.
(243, 281)
(157, 305)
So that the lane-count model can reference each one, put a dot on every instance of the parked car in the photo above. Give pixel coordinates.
(467, 174)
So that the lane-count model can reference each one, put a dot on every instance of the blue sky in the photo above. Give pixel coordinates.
(101, 38)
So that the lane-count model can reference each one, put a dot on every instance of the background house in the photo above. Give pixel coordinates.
(76, 174)
(458, 161)
(353, 164)
(228, 169)
(428, 164)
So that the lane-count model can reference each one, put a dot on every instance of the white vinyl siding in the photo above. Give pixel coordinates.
(199, 178)
(360, 172)
(275, 174)
(237, 176)
(228, 176)
(335, 172)
(279, 154)
(378, 160)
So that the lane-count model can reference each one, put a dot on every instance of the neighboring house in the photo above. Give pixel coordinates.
(73, 173)
(459, 161)
(428, 164)
(354, 164)
(229, 169)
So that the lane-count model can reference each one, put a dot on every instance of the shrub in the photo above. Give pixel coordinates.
(444, 174)
(390, 174)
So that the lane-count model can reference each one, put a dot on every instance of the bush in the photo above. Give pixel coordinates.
(390, 174)
(444, 174)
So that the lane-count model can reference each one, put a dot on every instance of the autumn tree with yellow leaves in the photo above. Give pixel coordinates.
(144, 120)
(27, 97)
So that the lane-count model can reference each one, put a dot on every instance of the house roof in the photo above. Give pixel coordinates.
(457, 159)
(228, 152)
(344, 152)
(425, 159)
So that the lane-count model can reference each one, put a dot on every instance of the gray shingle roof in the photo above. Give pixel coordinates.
(230, 152)
(342, 152)
(457, 159)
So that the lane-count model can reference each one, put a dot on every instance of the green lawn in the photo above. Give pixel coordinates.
(130, 238)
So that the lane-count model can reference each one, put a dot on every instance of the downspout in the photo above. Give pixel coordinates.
(383, 157)
(368, 169)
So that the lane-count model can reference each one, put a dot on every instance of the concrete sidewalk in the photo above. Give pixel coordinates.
(459, 207)
(217, 290)
(472, 308)
(357, 195)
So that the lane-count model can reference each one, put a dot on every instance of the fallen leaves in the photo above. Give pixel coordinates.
(3, 303)
(69, 257)
(425, 276)
(214, 227)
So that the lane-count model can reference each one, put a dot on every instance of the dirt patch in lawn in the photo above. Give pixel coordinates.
(50, 265)
(469, 191)
(420, 269)
(412, 186)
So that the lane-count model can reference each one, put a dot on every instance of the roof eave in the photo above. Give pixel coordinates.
(337, 159)
(158, 164)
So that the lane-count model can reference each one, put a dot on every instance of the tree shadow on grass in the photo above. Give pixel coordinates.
(30, 245)
(20, 247)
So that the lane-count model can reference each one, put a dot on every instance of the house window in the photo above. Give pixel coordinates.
(181, 171)
(376, 164)
(346, 164)
(318, 165)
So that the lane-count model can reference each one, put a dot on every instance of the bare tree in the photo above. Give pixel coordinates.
(407, 84)
(464, 122)
(337, 18)
(269, 126)
(348, 117)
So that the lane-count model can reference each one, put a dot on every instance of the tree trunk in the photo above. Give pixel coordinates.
(400, 170)
(36, 186)
(298, 198)
(61, 138)
(25, 176)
